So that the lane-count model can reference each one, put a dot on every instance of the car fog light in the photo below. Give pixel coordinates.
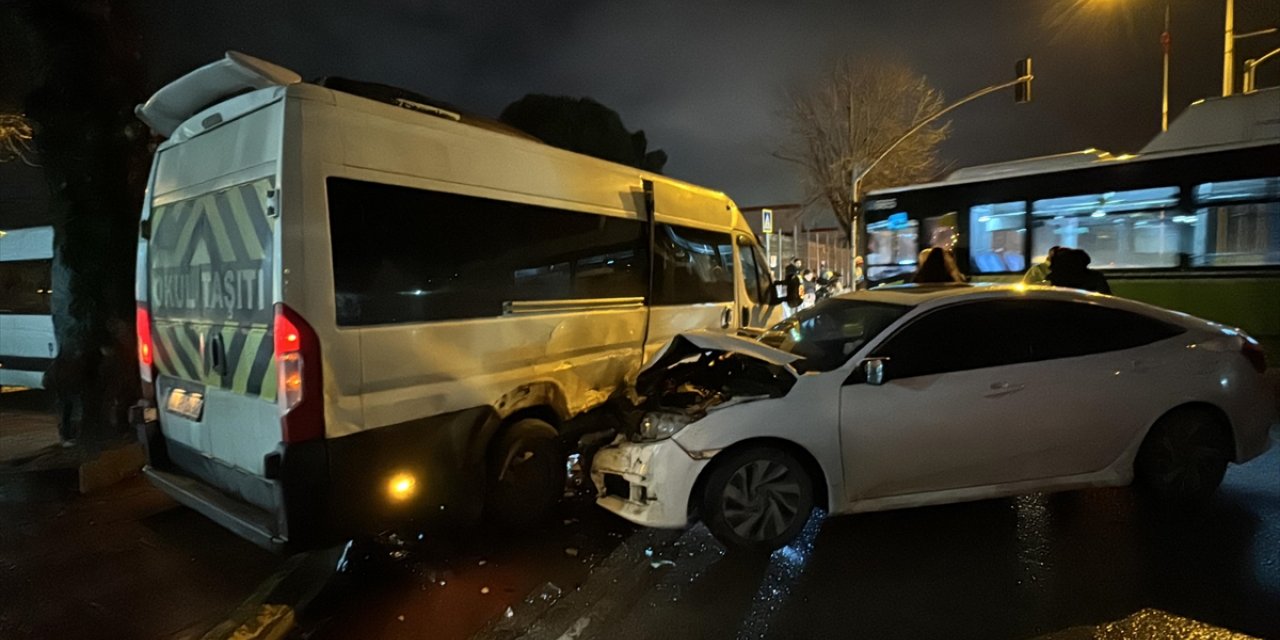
(660, 426)
(401, 487)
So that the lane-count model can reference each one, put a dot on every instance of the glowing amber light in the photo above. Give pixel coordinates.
(293, 382)
(402, 486)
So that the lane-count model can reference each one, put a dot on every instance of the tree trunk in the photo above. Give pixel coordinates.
(94, 158)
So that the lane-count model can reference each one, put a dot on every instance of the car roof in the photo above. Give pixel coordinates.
(913, 295)
(935, 295)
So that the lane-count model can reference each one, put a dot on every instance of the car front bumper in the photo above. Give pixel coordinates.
(648, 483)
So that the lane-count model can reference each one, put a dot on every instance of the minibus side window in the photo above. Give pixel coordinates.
(411, 255)
(692, 266)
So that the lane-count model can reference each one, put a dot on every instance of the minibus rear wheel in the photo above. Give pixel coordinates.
(526, 473)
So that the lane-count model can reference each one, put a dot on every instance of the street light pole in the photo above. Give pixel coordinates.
(1228, 50)
(859, 225)
(1166, 41)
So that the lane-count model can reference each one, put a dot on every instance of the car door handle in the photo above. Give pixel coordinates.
(1003, 389)
(726, 318)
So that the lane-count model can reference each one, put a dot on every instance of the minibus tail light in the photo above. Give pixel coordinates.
(298, 376)
(146, 348)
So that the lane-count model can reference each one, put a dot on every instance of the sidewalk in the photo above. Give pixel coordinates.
(122, 562)
(28, 426)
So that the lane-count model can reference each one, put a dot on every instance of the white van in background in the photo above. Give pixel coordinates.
(357, 314)
(27, 344)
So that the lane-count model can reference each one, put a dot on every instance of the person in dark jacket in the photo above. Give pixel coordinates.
(793, 268)
(937, 266)
(795, 292)
(1070, 268)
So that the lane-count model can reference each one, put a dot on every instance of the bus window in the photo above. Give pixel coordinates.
(1238, 223)
(998, 237)
(1119, 229)
(942, 231)
(25, 287)
(892, 248)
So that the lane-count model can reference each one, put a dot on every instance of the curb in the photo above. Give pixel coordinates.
(271, 611)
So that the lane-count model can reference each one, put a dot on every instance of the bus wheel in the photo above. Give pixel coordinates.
(526, 474)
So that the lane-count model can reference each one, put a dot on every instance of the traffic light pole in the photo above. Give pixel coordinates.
(859, 227)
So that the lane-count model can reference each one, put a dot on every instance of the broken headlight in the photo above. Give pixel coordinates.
(660, 425)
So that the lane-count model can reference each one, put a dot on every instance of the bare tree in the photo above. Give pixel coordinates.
(15, 138)
(839, 125)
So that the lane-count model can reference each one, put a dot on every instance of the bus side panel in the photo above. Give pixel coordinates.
(577, 358)
(313, 149)
(27, 348)
(1249, 302)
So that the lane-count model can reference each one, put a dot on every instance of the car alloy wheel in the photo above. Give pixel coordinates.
(761, 500)
(757, 498)
(1184, 457)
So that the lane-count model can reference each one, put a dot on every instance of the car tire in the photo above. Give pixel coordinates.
(757, 499)
(526, 474)
(1184, 457)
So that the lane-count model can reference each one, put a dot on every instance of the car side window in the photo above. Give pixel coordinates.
(963, 337)
(1063, 329)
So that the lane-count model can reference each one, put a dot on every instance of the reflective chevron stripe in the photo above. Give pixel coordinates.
(212, 282)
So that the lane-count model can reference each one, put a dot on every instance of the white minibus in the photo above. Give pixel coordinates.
(27, 344)
(359, 311)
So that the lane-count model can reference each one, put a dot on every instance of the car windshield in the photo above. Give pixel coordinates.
(826, 335)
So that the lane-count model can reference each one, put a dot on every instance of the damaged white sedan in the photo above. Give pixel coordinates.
(918, 395)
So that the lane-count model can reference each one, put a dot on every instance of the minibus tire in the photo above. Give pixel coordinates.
(526, 474)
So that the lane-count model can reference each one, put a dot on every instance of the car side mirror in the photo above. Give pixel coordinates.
(873, 368)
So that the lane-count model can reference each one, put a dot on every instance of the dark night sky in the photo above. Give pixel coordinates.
(704, 79)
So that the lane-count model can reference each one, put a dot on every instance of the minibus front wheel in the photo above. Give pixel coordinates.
(526, 473)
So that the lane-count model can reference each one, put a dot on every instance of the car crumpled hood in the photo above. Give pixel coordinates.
(702, 369)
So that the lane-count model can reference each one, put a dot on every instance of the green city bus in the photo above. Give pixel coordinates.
(1187, 225)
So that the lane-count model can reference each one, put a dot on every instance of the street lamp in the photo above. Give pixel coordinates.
(1251, 69)
(1022, 93)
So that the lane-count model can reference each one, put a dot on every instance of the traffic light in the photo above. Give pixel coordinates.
(1022, 90)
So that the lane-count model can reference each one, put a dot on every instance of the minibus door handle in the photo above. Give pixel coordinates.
(726, 318)
(218, 354)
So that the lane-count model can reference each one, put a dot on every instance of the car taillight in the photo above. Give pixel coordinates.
(146, 348)
(1253, 352)
(298, 373)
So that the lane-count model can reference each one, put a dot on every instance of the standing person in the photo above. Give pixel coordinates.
(795, 292)
(793, 268)
(834, 286)
(809, 290)
(1070, 268)
(1039, 272)
(937, 266)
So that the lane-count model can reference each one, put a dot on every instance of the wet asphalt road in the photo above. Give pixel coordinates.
(129, 563)
(1010, 568)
